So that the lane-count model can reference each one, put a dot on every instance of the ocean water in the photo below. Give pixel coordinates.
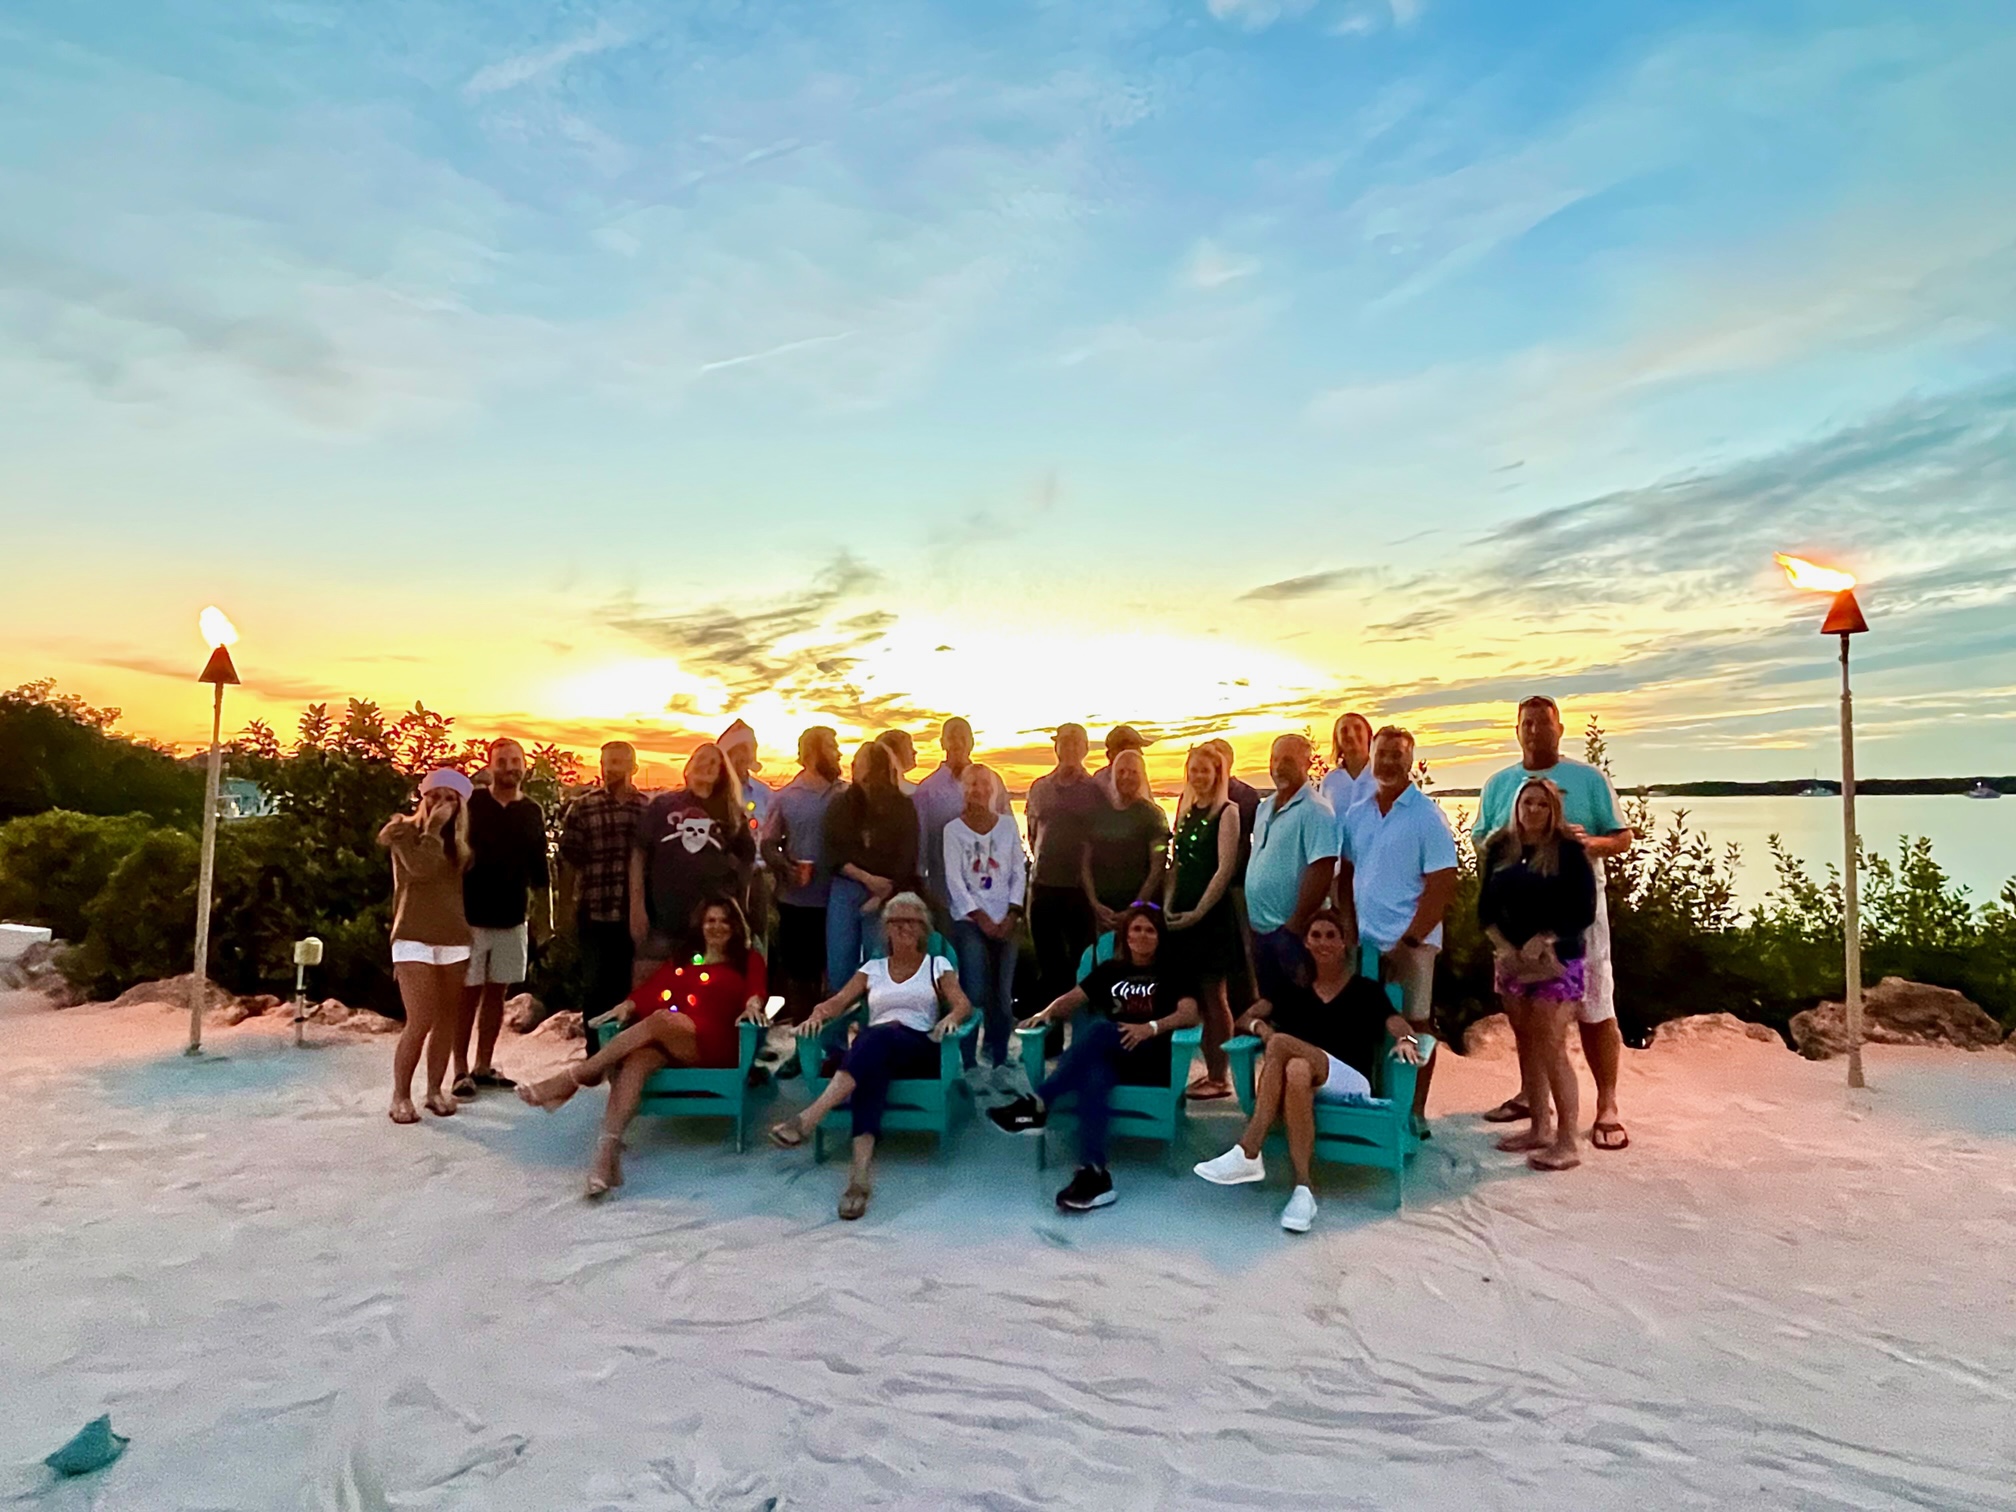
(1973, 839)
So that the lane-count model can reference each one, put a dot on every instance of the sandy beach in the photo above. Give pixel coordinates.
(1783, 1295)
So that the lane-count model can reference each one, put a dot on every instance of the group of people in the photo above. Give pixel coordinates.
(694, 906)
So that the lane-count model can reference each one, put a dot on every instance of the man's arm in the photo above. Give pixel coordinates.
(1601, 847)
(1314, 890)
(1438, 891)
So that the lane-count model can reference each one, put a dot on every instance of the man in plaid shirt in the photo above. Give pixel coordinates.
(595, 844)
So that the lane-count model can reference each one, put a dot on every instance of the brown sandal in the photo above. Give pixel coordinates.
(1512, 1110)
(854, 1201)
(440, 1104)
(787, 1135)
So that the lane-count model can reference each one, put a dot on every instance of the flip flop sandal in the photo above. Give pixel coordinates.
(854, 1202)
(1512, 1110)
(406, 1115)
(1205, 1091)
(440, 1107)
(493, 1078)
(1610, 1136)
(786, 1136)
(466, 1087)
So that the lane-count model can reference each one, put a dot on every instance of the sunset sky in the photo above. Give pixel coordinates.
(610, 369)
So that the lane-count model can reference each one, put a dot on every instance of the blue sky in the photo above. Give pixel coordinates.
(1197, 363)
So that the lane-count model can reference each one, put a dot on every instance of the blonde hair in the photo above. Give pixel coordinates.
(1507, 845)
(997, 790)
(456, 840)
(1220, 784)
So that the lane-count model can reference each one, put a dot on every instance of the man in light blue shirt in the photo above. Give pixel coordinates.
(1350, 776)
(1294, 852)
(939, 798)
(1589, 804)
(1396, 863)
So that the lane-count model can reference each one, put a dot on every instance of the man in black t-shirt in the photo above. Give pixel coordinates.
(507, 872)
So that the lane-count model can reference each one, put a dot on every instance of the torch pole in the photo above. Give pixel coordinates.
(205, 873)
(1851, 918)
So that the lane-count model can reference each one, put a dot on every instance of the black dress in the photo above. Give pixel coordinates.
(1208, 950)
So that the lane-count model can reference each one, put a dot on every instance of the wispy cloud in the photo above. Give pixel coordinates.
(1308, 586)
(523, 68)
(1256, 15)
(1210, 266)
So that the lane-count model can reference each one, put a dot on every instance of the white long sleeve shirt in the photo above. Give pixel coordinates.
(985, 873)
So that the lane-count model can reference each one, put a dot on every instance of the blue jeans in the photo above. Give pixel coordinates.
(880, 1054)
(1089, 1070)
(987, 977)
(851, 936)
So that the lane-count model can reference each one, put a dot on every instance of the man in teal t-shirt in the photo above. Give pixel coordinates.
(1589, 804)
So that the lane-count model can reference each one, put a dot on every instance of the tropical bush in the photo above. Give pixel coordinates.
(57, 752)
(53, 864)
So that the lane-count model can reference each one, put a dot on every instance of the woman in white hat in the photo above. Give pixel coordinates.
(430, 936)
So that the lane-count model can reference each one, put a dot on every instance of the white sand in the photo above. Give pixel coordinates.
(1782, 1296)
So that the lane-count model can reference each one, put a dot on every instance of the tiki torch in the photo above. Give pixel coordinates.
(218, 672)
(1844, 618)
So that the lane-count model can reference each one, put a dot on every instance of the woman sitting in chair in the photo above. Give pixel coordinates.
(683, 1014)
(1139, 1000)
(1323, 1041)
(904, 990)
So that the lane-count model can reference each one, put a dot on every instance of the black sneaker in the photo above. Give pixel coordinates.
(1025, 1115)
(1091, 1188)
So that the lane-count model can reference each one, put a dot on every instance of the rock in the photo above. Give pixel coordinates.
(258, 1003)
(173, 992)
(1712, 1028)
(1897, 1012)
(364, 1021)
(1490, 1038)
(523, 1013)
(329, 1011)
(566, 1026)
(231, 1014)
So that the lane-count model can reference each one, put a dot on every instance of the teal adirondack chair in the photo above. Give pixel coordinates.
(921, 1105)
(685, 1092)
(1158, 1113)
(1376, 1132)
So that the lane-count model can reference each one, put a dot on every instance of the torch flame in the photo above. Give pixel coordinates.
(217, 629)
(1810, 575)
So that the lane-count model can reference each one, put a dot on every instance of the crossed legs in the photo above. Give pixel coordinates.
(1285, 1091)
(656, 1041)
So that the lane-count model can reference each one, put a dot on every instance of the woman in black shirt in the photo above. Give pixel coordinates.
(1538, 896)
(1323, 1039)
(871, 836)
(1138, 1001)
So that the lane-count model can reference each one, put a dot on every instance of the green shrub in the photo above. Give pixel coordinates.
(57, 752)
(142, 924)
(53, 864)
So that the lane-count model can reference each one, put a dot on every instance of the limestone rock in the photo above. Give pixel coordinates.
(1897, 1012)
(258, 1004)
(173, 992)
(523, 1013)
(565, 1026)
(1490, 1038)
(364, 1021)
(1712, 1028)
(329, 1011)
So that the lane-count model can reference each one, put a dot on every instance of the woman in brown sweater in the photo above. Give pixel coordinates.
(430, 937)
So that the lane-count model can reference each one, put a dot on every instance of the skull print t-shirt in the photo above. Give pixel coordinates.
(690, 856)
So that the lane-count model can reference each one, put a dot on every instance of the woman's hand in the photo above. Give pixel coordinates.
(1177, 918)
(1040, 1019)
(1408, 1051)
(752, 1012)
(1133, 1036)
(946, 1025)
(617, 1015)
(435, 817)
(812, 1023)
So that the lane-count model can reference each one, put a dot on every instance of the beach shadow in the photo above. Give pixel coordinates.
(1976, 1096)
(984, 1187)
(250, 1068)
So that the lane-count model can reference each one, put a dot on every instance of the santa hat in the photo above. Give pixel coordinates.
(739, 733)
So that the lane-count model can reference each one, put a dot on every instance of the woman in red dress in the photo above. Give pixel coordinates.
(684, 1014)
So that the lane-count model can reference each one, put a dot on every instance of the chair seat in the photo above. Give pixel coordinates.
(702, 1091)
(1158, 1113)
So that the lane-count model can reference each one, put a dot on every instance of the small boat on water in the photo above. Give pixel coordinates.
(1982, 790)
(1817, 790)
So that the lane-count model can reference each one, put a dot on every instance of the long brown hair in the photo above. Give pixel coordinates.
(739, 948)
(1507, 845)
(725, 802)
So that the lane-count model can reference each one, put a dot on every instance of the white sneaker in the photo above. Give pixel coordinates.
(1300, 1212)
(1233, 1168)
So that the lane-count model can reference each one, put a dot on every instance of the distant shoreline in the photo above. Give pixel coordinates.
(1866, 787)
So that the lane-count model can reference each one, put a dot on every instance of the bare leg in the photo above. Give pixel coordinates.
(1603, 1045)
(1299, 1113)
(1563, 1151)
(1217, 1030)
(416, 991)
(861, 1169)
(1530, 1039)
(447, 983)
(837, 1091)
(626, 1090)
(465, 1026)
(489, 1022)
(672, 1034)
(1266, 1098)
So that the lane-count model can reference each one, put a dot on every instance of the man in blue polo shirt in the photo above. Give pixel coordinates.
(1294, 852)
(1589, 804)
(1396, 863)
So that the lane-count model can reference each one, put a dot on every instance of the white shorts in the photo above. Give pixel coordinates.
(1344, 1082)
(405, 952)
(497, 956)
(1599, 986)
